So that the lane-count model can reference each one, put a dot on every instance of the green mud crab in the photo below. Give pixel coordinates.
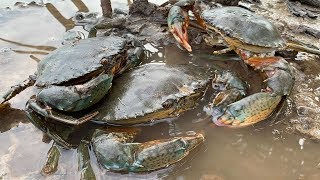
(147, 93)
(255, 40)
(76, 76)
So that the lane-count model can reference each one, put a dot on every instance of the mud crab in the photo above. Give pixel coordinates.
(255, 40)
(149, 92)
(76, 76)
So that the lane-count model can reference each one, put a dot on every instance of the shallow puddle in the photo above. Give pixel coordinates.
(268, 150)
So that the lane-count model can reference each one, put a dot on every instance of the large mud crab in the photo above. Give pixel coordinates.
(147, 93)
(76, 76)
(255, 40)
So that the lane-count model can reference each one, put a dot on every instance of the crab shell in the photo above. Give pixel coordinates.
(153, 91)
(244, 27)
(80, 60)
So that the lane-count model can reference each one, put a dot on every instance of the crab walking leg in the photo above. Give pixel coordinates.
(14, 90)
(49, 113)
(60, 141)
(259, 106)
(298, 47)
(50, 129)
(223, 51)
(117, 155)
(51, 165)
(84, 165)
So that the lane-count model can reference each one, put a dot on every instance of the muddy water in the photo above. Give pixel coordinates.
(268, 150)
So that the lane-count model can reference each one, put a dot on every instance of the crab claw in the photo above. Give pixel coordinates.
(178, 21)
(116, 154)
(246, 111)
(158, 154)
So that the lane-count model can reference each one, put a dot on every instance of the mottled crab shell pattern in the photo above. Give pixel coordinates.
(244, 25)
(153, 91)
(78, 60)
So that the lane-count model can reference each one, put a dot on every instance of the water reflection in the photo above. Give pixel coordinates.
(67, 23)
(11, 117)
(106, 8)
(45, 48)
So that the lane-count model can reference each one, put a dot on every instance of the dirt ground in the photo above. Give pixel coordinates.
(289, 24)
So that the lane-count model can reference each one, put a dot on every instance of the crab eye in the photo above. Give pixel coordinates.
(79, 17)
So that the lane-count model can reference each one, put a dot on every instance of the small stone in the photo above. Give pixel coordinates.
(301, 142)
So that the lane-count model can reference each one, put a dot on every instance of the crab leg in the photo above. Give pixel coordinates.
(51, 165)
(84, 165)
(278, 72)
(230, 89)
(158, 154)
(116, 153)
(223, 51)
(249, 110)
(49, 113)
(178, 21)
(78, 96)
(60, 133)
(258, 106)
(14, 90)
(303, 48)
(51, 128)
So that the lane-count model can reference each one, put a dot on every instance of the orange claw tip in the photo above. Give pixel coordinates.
(183, 42)
(218, 122)
(187, 46)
